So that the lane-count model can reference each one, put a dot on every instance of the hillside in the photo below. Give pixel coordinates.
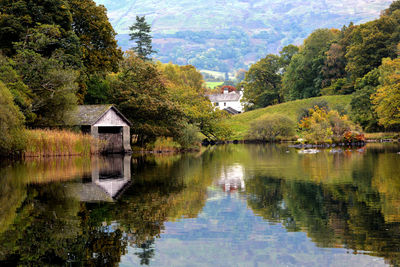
(227, 35)
(241, 123)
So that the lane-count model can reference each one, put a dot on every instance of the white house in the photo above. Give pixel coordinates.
(229, 101)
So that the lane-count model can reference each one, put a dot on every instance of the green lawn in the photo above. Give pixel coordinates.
(241, 123)
(212, 85)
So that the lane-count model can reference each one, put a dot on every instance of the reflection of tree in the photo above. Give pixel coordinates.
(332, 215)
(146, 253)
(45, 226)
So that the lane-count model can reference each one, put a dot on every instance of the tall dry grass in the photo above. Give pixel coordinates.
(45, 143)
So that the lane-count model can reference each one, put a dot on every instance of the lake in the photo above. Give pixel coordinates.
(231, 205)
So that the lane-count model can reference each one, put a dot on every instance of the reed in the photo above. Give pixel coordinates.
(164, 144)
(45, 143)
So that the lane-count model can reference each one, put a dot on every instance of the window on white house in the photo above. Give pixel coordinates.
(216, 104)
(224, 104)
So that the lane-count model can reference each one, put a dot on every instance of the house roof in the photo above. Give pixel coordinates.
(231, 111)
(90, 114)
(232, 96)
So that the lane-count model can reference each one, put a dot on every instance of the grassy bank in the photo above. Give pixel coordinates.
(45, 143)
(240, 123)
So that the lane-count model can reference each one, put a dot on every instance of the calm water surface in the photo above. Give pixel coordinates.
(235, 205)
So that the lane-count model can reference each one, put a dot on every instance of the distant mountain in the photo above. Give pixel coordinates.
(224, 35)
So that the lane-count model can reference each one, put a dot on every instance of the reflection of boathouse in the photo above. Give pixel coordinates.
(106, 123)
(109, 178)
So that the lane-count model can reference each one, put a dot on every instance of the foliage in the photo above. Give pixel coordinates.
(18, 17)
(100, 52)
(98, 90)
(386, 100)
(240, 123)
(140, 93)
(371, 42)
(189, 137)
(22, 94)
(271, 127)
(262, 83)
(286, 55)
(304, 111)
(140, 33)
(12, 138)
(166, 144)
(324, 126)
(362, 111)
(53, 86)
(302, 79)
(185, 88)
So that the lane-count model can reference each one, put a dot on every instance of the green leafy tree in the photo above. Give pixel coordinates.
(262, 83)
(139, 92)
(387, 98)
(302, 78)
(51, 78)
(140, 33)
(22, 94)
(17, 17)
(362, 111)
(286, 55)
(371, 42)
(99, 48)
(11, 124)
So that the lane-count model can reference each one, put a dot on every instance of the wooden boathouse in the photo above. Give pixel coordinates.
(105, 122)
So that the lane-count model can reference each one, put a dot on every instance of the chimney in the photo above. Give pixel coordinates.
(226, 90)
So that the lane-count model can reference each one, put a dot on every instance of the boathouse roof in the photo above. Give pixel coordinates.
(90, 114)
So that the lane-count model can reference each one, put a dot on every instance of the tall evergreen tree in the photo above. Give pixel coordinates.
(140, 33)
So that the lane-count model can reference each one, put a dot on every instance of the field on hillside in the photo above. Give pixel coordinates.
(241, 123)
(212, 85)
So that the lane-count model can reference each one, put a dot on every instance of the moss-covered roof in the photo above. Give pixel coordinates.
(90, 114)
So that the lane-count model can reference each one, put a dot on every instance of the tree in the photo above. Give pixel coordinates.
(371, 42)
(302, 78)
(387, 98)
(50, 77)
(100, 52)
(362, 111)
(140, 33)
(286, 55)
(262, 83)
(140, 93)
(11, 124)
(17, 17)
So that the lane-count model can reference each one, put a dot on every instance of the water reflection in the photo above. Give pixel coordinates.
(228, 205)
(110, 176)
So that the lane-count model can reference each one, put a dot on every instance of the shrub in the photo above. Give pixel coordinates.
(271, 128)
(164, 144)
(324, 126)
(305, 112)
(189, 137)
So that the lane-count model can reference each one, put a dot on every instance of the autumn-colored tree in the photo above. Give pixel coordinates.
(387, 98)
(139, 91)
(324, 126)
